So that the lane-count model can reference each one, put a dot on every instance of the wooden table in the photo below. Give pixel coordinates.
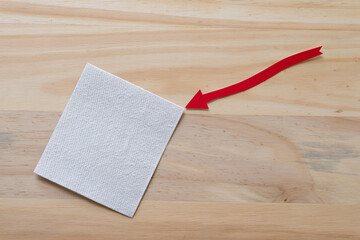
(280, 161)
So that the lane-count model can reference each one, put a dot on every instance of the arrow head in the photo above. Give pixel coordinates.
(197, 102)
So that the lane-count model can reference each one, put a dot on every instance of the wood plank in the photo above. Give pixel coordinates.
(213, 158)
(44, 47)
(70, 219)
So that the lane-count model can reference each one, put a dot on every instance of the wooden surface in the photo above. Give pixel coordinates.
(280, 161)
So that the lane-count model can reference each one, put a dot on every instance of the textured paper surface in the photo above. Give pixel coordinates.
(109, 140)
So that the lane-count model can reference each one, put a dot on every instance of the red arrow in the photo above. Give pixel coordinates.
(200, 100)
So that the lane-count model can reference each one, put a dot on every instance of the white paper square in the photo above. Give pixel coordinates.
(109, 140)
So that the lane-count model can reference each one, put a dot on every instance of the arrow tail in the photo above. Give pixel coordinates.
(263, 75)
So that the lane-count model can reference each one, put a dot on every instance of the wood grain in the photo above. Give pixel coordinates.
(65, 219)
(175, 52)
(214, 158)
(280, 161)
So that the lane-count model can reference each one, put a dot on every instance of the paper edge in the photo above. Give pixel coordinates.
(119, 78)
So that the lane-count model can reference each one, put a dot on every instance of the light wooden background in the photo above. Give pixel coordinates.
(280, 161)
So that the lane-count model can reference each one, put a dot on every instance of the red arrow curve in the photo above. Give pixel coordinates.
(200, 100)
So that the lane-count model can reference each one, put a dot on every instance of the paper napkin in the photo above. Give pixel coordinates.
(109, 140)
